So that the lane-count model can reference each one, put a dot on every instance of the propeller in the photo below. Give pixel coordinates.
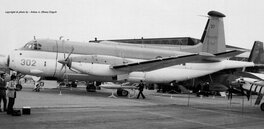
(66, 61)
(240, 81)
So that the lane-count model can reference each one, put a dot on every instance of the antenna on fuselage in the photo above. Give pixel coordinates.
(34, 38)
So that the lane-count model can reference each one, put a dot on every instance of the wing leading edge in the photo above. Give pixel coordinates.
(158, 63)
(171, 61)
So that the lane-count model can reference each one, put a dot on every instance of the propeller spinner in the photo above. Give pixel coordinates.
(66, 61)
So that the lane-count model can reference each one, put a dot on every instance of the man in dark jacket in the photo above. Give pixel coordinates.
(2, 92)
(141, 88)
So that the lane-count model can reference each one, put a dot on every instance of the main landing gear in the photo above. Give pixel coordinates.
(90, 87)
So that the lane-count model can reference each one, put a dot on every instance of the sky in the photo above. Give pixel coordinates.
(83, 20)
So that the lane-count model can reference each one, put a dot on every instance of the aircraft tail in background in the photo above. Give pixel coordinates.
(257, 53)
(213, 37)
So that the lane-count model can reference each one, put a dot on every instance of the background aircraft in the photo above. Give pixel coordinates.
(253, 85)
(212, 40)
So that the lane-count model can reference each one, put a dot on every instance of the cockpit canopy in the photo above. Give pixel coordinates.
(41, 45)
(33, 45)
(48, 45)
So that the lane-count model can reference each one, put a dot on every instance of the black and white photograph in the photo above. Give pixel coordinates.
(131, 64)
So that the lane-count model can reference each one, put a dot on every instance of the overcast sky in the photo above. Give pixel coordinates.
(82, 20)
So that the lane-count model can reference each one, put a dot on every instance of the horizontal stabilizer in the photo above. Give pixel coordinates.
(158, 63)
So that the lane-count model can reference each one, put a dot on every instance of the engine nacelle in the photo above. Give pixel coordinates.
(95, 69)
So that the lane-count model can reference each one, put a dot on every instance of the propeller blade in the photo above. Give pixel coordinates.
(67, 61)
(70, 53)
(74, 71)
(62, 66)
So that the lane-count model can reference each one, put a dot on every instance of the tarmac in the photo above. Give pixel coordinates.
(76, 109)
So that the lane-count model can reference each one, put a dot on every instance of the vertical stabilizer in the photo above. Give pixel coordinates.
(257, 53)
(213, 37)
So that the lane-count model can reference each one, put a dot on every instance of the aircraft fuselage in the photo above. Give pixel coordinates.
(43, 62)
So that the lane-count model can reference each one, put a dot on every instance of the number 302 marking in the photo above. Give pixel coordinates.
(28, 62)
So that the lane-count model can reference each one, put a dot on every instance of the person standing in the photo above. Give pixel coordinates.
(3, 92)
(11, 94)
(140, 89)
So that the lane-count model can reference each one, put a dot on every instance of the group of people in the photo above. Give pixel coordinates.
(7, 90)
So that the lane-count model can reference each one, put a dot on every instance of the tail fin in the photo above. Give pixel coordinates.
(213, 37)
(257, 53)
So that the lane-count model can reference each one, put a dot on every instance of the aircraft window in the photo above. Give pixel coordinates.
(27, 46)
(36, 46)
(30, 46)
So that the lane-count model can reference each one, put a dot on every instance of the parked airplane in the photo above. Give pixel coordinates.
(107, 62)
(254, 85)
(223, 78)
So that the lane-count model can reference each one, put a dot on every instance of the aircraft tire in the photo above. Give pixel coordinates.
(262, 106)
(122, 92)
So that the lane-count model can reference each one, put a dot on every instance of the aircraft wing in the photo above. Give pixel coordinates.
(253, 81)
(224, 55)
(257, 75)
(170, 61)
(158, 63)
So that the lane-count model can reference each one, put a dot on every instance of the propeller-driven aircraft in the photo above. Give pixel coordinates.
(59, 59)
(253, 82)
(255, 85)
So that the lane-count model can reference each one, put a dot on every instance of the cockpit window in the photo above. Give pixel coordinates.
(36, 46)
(33, 46)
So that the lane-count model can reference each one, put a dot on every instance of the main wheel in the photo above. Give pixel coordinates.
(124, 93)
(121, 92)
(262, 106)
